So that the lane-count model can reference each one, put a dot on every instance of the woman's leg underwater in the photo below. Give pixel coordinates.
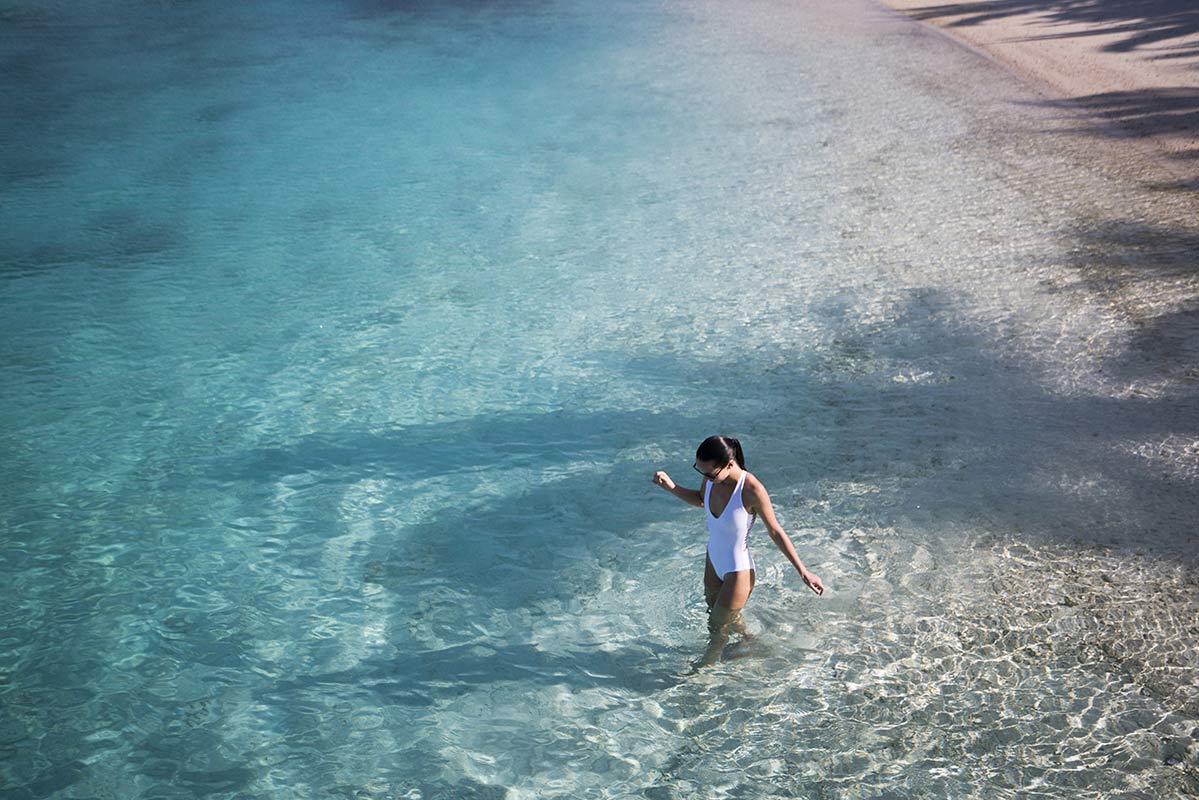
(712, 583)
(724, 616)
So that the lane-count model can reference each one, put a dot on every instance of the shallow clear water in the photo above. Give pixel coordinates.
(340, 341)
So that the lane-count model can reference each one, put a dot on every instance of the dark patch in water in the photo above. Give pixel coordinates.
(34, 92)
(55, 779)
(165, 755)
(207, 782)
(467, 789)
(206, 60)
(319, 213)
(189, 158)
(27, 16)
(208, 146)
(378, 9)
(26, 68)
(112, 238)
(220, 112)
(148, 240)
(115, 218)
(36, 167)
(51, 255)
(417, 678)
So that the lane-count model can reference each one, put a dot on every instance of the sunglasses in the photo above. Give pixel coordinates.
(709, 476)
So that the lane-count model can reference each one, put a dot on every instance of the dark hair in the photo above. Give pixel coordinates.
(720, 450)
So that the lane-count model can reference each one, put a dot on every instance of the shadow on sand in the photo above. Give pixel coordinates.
(1155, 29)
(1167, 111)
(1138, 23)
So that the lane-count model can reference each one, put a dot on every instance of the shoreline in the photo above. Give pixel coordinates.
(1135, 77)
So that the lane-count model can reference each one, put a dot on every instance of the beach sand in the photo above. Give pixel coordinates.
(1132, 67)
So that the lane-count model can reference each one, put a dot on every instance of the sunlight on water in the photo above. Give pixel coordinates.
(341, 340)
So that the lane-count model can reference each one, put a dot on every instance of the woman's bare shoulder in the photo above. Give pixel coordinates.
(753, 484)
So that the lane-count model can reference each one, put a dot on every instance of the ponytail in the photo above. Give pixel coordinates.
(738, 456)
(720, 450)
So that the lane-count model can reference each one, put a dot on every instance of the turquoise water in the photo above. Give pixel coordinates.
(341, 340)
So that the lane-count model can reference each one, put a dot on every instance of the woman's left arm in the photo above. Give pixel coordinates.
(759, 503)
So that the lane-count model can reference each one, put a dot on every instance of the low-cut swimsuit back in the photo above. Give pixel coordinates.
(728, 534)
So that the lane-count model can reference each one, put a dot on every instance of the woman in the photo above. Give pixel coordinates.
(733, 499)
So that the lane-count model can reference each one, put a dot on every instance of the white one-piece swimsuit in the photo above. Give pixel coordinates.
(728, 534)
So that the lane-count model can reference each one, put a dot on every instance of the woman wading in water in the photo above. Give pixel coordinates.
(733, 499)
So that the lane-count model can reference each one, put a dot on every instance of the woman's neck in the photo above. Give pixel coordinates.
(733, 476)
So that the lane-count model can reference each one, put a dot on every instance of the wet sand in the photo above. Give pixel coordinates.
(1131, 67)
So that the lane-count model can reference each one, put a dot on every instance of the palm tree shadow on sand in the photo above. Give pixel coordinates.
(1137, 23)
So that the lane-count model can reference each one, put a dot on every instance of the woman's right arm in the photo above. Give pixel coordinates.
(694, 497)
